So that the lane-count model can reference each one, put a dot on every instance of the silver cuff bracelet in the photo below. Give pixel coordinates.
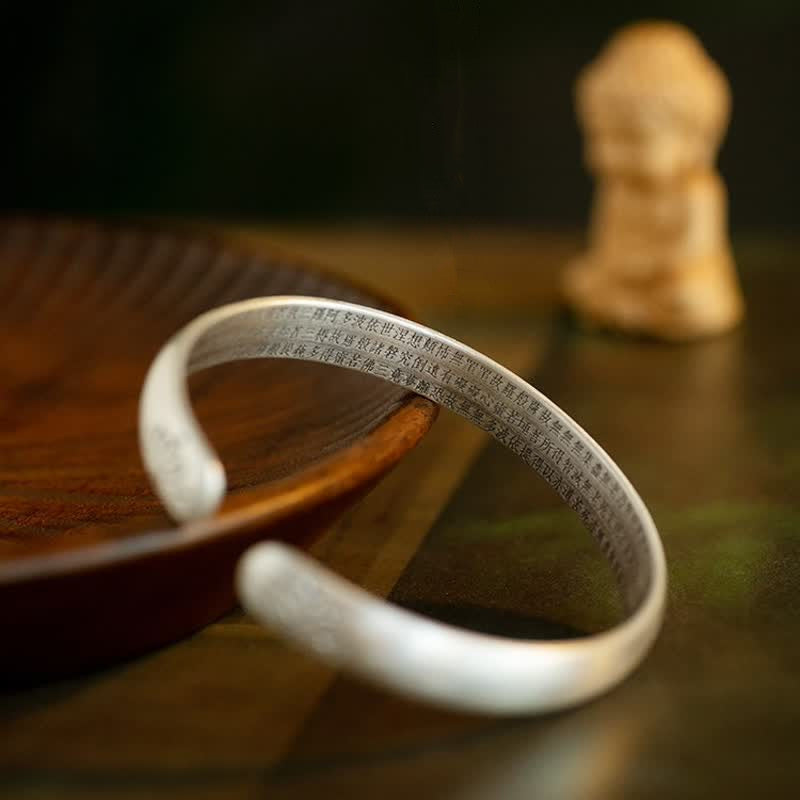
(347, 627)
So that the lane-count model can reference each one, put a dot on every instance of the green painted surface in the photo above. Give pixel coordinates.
(709, 434)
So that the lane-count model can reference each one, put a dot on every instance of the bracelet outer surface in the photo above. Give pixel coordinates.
(323, 613)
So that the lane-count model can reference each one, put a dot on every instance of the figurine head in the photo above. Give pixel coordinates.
(653, 105)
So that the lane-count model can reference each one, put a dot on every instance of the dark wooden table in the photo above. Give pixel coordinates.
(709, 434)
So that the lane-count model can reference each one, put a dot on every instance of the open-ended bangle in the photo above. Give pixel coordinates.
(346, 626)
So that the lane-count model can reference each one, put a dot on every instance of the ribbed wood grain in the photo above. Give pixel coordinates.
(91, 570)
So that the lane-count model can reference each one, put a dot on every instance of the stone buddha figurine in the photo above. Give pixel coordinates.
(654, 107)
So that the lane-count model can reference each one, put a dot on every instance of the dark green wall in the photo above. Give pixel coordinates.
(338, 109)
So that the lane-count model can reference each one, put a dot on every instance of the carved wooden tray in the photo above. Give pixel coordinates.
(91, 570)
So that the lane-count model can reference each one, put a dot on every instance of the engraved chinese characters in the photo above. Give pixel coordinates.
(457, 378)
(307, 604)
(654, 107)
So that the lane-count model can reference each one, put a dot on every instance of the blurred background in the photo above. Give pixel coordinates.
(357, 110)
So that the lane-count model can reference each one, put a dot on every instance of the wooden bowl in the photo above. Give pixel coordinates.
(91, 569)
